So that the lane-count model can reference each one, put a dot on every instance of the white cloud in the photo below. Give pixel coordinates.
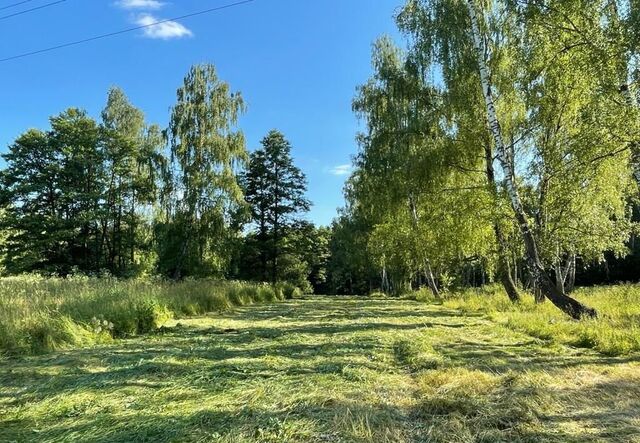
(140, 4)
(165, 30)
(341, 170)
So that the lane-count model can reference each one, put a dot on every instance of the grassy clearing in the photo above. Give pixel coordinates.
(324, 370)
(616, 332)
(44, 314)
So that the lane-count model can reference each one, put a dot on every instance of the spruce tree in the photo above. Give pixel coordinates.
(275, 189)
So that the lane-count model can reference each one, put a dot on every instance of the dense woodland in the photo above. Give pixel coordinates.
(499, 143)
(123, 197)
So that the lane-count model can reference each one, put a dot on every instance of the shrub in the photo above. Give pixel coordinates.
(59, 332)
(267, 294)
(150, 314)
(289, 291)
(425, 295)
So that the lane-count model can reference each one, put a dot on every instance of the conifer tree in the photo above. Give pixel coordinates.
(275, 190)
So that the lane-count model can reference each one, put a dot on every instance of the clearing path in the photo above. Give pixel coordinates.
(323, 370)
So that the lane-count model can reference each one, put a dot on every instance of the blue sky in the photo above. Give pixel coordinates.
(296, 62)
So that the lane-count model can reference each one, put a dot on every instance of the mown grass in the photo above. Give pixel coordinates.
(40, 314)
(324, 370)
(615, 332)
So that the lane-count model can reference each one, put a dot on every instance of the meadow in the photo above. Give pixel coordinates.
(39, 314)
(615, 332)
(324, 369)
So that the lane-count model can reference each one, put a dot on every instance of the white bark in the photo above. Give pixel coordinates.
(505, 157)
(428, 272)
(625, 86)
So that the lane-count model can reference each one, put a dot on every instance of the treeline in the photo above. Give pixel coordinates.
(501, 144)
(125, 197)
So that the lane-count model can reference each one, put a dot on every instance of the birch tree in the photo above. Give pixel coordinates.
(203, 190)
(476, 42)
(506, 157)
(416, 200)
(133, 156)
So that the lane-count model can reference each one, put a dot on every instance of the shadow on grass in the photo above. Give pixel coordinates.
(297, 424)
(526, 355)
(202, 357)
(300, 339)
(342, 308)
(546, 394)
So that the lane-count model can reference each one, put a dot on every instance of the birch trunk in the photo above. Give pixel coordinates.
(566, 275)
(505, 156)
(570, 278)
(504, 270)
(428, 272)
(625, 91)
(384, 283)
(560, 275)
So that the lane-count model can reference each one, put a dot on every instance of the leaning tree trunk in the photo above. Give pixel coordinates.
(428, 272)
(567, 304)
(504, 270)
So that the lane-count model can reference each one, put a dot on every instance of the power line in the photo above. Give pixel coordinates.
(124, 31)
(15, 4)
(32, 9)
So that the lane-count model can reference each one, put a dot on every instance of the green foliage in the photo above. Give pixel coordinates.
(438, 198)
(103, 198)
(418, 186)
(350, 268)
(133, 159)
(275, 192)
(436, 187)
(51, 192)
(74, 196)
(310, 244)
(201, 190)
(289, 291)
(580, 136)
(423, 295)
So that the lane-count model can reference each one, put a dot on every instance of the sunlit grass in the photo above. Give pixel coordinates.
(43, 314)
(323, 370)
(615, 332)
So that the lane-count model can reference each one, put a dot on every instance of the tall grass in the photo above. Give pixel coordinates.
(615, 332)
(42, 314)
